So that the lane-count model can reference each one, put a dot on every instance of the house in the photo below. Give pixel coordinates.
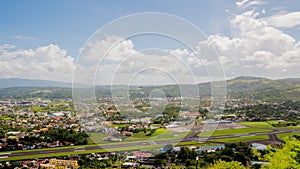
(129, 165)
(127, 133)
(130, 158)
(166, 148)
(209, 148)
(259, 146)
(141, 155)
(206, 107)
(259, 162)
(61, 164)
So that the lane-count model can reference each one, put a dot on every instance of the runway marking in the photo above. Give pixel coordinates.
(4, 157)
(79, 150)
(152, 143)
(79, 147)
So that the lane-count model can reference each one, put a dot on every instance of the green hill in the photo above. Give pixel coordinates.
(240, 87)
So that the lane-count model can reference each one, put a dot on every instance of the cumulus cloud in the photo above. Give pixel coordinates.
(4, 47)
(114, 60)
(46, 62)
(179, 52)
(258, 49)
(112, 48)
(284, 20)
(248, 3)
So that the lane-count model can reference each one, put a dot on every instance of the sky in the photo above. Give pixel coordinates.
(58, 40)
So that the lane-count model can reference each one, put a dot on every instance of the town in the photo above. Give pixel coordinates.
(144, 135)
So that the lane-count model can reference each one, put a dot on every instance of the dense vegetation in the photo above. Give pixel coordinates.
(287, 110)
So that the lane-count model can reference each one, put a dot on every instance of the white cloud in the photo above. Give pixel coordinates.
(4, 47)
(248, 3)
(179, 52)
(284, 20)
(124, 64)
(21, 37)
(47, 62)
(258, 49)
(112, 48)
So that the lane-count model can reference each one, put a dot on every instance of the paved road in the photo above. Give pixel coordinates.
(14, 154)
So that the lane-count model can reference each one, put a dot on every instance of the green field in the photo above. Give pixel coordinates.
(144, 135)
(267, 125)
(159, 134)
(284, 135)
(241, 139)
(287, 127)
(260, 125)
(290, 127)
(235, 131)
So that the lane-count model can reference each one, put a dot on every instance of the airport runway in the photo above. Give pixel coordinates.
(83, 148)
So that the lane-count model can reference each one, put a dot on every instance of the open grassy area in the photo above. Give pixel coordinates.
(235, 131)
(96, 138)
(159, 134)
(275, 122)
(241, 139)
(254, 127)
(284, 135)
(260, 125)
(291, 127)
(267, 125)
(144, 135)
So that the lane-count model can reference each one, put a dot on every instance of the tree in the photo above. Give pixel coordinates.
(168, 148)
(161, 159)
(287, 157)
(226, 165)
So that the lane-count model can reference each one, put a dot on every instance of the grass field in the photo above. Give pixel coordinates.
(290, 127)
(144, 135)
(235, 131)
(159, 134)
(96, 138)
(284, 135)
(260, 125)
(242, 139)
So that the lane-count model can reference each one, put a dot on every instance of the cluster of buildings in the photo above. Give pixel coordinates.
(45, 164)
(19, 123)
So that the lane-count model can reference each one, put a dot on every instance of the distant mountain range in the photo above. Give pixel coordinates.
(16, 82)
(240, 87)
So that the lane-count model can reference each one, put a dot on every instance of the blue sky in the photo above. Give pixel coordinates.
(28, 25)
(70, 23)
